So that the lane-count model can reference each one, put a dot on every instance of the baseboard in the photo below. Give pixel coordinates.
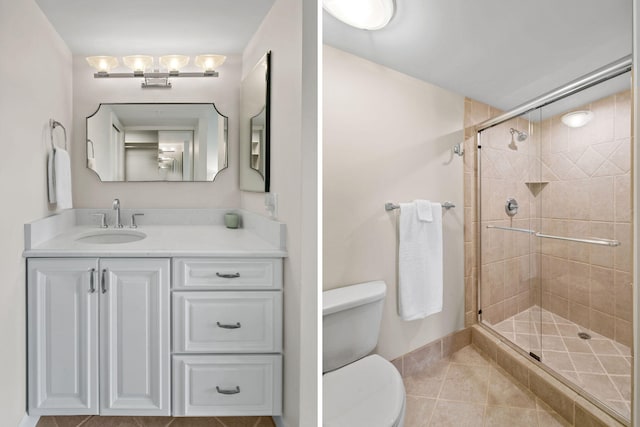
(278, 420)
(29, 420)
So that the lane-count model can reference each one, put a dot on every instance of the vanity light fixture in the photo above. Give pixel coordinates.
(139, 64)
(576, 119)
(363, 14)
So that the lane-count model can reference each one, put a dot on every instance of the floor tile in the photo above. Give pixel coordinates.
(456, 414)
(418, 411)
(465, 383)
(500, 416)
(600, 365)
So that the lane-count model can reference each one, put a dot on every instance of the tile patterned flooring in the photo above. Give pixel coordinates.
(601, 366)
(466, 389)
(90, 421)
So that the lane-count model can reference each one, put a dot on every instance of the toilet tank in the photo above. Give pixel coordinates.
(351, 318)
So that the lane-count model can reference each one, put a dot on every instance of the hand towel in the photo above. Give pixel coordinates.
(59, 178)
(425, 213)
(420, 263)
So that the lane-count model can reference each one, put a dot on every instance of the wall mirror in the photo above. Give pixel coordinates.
(157, 142)
(254, 128)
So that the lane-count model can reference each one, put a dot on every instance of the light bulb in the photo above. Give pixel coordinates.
(103, 64)
(138, 63)
(210, 62)
(174, 62)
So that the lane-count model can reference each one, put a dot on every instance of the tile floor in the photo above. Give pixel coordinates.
(87, 421)
(466, 389)
(601, 366)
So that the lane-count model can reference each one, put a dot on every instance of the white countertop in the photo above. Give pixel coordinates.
(200, 234)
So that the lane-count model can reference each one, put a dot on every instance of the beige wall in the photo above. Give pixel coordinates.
(88, 93)
(36, 72)
(388, 137)
(293, 179)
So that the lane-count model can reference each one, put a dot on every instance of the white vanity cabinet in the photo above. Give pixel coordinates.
(227, 336)
(98, 336)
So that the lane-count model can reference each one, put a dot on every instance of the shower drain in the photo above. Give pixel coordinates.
(584, 335)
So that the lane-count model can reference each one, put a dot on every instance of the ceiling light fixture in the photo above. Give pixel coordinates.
(363, 14)
(139, 64)
(576, 119)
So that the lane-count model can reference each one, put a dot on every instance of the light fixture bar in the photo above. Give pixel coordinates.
(154, 75)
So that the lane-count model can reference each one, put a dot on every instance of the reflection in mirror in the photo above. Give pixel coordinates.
(254, 128)
(157, 142)
(256, 160)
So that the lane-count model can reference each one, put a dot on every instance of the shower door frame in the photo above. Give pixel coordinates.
(614, 69)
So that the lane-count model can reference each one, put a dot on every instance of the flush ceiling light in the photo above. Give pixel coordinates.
(576, 119)
(209, 63)
(139, 64)
(363, 14)
(103, 64)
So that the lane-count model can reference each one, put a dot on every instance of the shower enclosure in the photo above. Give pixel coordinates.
(555, 229)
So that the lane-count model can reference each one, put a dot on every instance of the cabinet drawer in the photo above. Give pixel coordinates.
(227, 273)
(227, 385)
(227, 322)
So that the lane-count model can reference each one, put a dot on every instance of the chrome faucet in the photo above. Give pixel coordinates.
(116, 207)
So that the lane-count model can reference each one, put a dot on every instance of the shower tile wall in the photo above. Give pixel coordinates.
(589, 195)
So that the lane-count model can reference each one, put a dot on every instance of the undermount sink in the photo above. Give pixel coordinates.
(109, 237)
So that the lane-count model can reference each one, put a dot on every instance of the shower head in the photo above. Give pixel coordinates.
(518, 135)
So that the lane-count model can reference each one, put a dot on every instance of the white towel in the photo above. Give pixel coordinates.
(59, 178)
(425, 213)
(420, 263)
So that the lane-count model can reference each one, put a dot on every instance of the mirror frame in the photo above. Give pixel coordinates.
(86, 141)
(246, 171)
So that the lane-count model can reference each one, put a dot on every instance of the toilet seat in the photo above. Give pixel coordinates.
(366, 393)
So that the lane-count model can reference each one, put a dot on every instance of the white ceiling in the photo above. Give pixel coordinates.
(503, 53)
(155, 27)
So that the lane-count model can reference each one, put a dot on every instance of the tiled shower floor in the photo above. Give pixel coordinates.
(601, 366)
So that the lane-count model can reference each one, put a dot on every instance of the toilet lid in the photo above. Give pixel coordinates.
(366, 393)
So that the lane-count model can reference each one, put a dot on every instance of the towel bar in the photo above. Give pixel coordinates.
(389, 206)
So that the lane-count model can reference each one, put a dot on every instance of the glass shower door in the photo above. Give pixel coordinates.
(509, 262)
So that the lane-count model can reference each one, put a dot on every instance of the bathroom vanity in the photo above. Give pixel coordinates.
(180, 316)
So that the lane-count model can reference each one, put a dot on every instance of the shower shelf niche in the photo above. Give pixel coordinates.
(536, 186)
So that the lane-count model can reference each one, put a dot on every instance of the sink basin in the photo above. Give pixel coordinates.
(109, 237)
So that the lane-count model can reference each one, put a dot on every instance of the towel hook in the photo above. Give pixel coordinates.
(52, 125)
(459, 149)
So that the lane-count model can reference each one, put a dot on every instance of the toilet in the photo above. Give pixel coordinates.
(359, 390)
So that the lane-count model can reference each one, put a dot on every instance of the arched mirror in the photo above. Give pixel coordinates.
(157, 142)
(254, 128)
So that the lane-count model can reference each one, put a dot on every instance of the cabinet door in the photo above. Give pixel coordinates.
(134, 337)
(62, 327)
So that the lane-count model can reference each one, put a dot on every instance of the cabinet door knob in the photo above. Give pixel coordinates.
(228, 275)
(92, 278)
(228, 391)
(227, 326)
(104, 280)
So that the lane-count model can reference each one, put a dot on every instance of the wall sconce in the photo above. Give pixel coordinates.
(139, 64)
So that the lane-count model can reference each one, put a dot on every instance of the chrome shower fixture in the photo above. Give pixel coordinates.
(518, 135)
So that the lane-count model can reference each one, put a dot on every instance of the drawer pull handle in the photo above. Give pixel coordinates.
(227, 391)
(222, 325)
(92, 283)
(228, 275)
